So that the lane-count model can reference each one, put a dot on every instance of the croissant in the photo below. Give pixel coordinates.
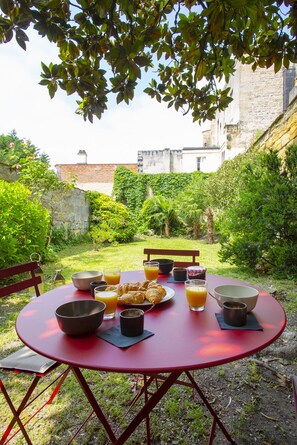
(155, 294)
(127, 287)
(132, 297)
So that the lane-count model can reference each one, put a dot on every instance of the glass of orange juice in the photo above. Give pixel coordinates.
(112, 276)
(107, 294)
(151, 270)
(196, 293)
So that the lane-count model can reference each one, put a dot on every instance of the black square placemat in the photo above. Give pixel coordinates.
(114, 336)
(172, 280)
(251, 323)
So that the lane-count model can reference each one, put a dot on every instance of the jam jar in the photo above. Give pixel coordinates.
(196, 272)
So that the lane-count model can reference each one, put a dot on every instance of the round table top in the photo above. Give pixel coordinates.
(182, 340)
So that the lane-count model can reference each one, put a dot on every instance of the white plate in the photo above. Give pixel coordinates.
(169, 294)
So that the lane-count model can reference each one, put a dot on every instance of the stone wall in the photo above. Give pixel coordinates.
(69, 209)
(282, 132)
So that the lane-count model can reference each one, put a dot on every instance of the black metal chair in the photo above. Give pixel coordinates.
(25, 360)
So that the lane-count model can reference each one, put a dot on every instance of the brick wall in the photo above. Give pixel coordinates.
(90, 173)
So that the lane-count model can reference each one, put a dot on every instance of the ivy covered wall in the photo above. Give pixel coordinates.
(132, 189)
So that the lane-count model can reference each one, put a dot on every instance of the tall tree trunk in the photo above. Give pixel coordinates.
(210, 225)
(196, 229)
(167, 229)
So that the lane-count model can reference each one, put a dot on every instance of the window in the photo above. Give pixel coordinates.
(200, 161)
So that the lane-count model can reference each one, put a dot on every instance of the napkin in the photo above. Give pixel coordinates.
(172, 280)
(251, 324)
(114, 336)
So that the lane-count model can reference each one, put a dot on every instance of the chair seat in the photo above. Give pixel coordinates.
(24, 359)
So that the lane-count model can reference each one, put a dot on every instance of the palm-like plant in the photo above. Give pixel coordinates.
(160, 214)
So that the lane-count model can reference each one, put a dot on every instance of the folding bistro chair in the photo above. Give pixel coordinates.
(172, 253)
(25, 360)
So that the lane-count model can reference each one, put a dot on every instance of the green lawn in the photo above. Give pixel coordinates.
(62, 417)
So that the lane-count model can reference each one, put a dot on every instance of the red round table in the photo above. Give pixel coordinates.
(183, 340)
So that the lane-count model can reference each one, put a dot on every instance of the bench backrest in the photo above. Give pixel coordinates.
(21, 282)
(169, 253)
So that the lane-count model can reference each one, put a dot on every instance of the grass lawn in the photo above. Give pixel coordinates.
(176, 420)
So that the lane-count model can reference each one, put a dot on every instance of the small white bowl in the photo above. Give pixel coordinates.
(235, 292)
(83, 280)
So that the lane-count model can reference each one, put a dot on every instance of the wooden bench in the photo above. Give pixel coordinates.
(171, 253)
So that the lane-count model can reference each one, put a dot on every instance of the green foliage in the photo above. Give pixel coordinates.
(160, 215)
(24, 224)
(132, 189)
(62, 237)
(259, 228)
(33, 168)
(191, 204)
(105, 47)
(224, 185)
(14, 151)
(111, 222)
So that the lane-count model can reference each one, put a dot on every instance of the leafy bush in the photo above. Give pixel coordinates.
(260, 226)
(24, 224)
(63, 236)
(111, 222)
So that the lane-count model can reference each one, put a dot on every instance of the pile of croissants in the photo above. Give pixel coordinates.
(139, 292)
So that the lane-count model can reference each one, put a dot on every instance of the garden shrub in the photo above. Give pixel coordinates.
(260, 227)
(111, 222)
(64, 236)
(24, 224)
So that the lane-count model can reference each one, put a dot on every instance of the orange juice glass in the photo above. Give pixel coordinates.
(196, 293)
(112, 276)
(107, 294)
(151, 270)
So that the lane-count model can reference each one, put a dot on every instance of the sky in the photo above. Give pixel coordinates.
(54, 128)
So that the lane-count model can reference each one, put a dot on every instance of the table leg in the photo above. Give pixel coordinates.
(148, 407)
(216, 419)
(93, 402)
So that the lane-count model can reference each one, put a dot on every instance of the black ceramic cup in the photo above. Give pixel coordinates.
(131, 322)
(180, 274)
(95, 284)
(234, 313)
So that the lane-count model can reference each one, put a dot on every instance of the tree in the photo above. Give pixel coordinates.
(105, 46)
(192, 204)
(33, 168)
(14, 150)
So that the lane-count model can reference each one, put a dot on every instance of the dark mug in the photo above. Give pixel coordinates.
(235, 313)
(95, 284)
(180, 274)
(131, 322)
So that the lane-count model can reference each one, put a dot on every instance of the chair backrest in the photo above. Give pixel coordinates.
(169, 253)
(19, 282)
(294, 383)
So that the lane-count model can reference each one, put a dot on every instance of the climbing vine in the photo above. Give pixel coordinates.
(132, 189)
